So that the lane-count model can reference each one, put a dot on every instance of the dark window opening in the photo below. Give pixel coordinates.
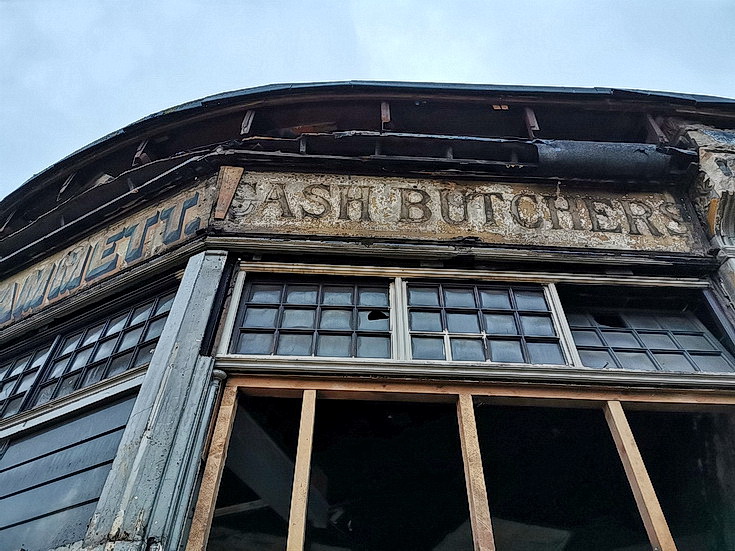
(555, 481)
(690, 459)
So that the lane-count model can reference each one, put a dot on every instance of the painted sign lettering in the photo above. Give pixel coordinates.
(119, 246)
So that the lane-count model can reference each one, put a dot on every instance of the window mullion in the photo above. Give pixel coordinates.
(302, 467)
(231, 317)
(560, 320)
(482, 531)
(645, 496)
(399, 320)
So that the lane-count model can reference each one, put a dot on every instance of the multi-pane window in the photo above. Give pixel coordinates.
(482, 323)
(646, 340)
(296, 318)
(83, 357)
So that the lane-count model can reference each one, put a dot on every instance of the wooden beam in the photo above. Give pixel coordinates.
(645, 496)
(482, 531)
(592, 395)
(300, 491)
(204, 510)
(227, 180)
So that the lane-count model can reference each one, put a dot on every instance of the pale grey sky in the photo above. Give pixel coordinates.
(71, 72)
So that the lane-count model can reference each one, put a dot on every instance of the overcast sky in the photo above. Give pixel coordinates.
(73, 71)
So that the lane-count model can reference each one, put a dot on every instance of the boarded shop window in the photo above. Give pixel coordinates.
(83, 356)
(645, 331)
(50, 480)
(303, 318)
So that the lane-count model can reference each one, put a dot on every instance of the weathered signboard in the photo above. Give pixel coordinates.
(359, 206)
(522, 214)
(123, 244)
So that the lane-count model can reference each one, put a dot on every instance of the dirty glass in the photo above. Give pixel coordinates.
(338, 318)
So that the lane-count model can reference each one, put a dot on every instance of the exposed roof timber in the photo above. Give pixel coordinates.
(240, 100)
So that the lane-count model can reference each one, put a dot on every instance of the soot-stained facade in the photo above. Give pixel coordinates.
(375, 316)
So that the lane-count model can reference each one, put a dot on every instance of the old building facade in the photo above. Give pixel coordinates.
(376, 316)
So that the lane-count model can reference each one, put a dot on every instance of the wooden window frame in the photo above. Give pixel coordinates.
(612, 402)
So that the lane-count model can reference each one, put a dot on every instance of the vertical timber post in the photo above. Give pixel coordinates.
(146, 497)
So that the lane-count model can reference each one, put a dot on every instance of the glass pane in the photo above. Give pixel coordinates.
(467, 350)
(19, 365)
(635, 360)
(130, 338)
(387, 476)
(694, 342)
(657, 340)
(298, 319)
(116, 324)
(711, 363)
(154, 329)
(45, 394)
(505, 351)
(70, 344)
(68, 384)
(371, 296)
(164, 303)
(373, 320)
(57, 368)
(463, 323)
(93, 334)
(104, 349)
(334, 345)
(252, 508)
(120, 364)
(260, 317)
(301, 294)
(294, 345)
(423, 296)
(673, 362)
(621, 338)
(141, 313)
(500, 324)
(255, 343)
(425, 321)
(337, 296)
(94, 375)
(676, 322)
(557, 481)
(39, 358)
(270, 294)
(537, 325)
(6, 389)
(545, 353)
(530, 300)
(641, 320)
(579, 319)
(495, 298)
(144, 354)
(13, 406)
(26, 382)
(80, 359)
(427, 348)
(597, 358)
(459, 298)
(336, 319)
(373, 347)
(3, 370)
(586, 338)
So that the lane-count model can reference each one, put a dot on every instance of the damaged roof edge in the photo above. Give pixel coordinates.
(234, 96)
